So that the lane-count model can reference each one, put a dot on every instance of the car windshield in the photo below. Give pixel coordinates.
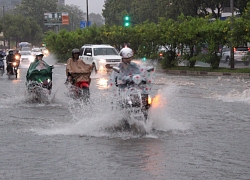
(25, 53)
(105, 51)
(36, 50)
(25, 49)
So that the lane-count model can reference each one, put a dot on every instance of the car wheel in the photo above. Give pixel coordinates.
(94, 69)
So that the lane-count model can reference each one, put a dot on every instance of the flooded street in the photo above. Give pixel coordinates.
(199, 129)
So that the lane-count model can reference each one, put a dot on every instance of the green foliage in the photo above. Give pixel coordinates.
(36, 9)
(22, 28)
(169, 59)
(148, 10)
(62, 43)
(193, 38)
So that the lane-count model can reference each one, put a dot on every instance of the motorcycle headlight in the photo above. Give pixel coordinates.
(102, 60)
(149, 100)
(17, 57)
(14, 63)
(46, 51)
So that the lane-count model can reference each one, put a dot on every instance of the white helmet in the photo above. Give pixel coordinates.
(126, 52)
(39, 54)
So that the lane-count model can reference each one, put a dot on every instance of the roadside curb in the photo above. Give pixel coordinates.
(203, 73)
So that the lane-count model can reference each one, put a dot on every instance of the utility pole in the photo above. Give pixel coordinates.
(231, 28)
(3, 28)
(87, 9)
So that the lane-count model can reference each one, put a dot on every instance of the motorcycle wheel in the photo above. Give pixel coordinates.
(84, 94)
(15, 73)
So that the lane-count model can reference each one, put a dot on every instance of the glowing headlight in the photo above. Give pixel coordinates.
(17, 57)
(102, 60)
(46, 51)
(31, 59)
(149, 100)
(14, 63)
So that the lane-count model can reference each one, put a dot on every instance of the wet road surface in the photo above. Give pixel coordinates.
(199, 130)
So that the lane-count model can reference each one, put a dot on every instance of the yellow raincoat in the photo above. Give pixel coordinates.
(79, 70)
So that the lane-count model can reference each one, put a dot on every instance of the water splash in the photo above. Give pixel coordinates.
(235, 96)
(164, 108)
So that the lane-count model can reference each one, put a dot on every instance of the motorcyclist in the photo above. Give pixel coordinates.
(9, 59)
(2, 55)
(127, 69)
(40, 71)
(130, 75)
(77, 71)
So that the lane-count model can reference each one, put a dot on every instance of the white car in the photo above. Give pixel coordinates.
(240, 54)
(101, 56)
(34, 51)
(26, 57)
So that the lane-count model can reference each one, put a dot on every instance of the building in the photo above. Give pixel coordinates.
(9, 4)
(61, 2)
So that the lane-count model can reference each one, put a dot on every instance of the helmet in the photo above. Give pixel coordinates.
(126, 53)
(75, 51)
(39, 54)
(10, 52)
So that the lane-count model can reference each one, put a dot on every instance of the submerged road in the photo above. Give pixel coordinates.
(199, 130)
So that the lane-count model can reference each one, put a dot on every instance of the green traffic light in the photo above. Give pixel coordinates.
(126, 18)
(127, 24)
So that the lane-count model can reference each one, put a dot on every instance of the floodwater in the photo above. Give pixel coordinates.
(199, 129)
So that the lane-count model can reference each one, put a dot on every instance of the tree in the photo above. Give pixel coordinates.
(36, 9)
(96, 19)
(20, 28)
(76, 15)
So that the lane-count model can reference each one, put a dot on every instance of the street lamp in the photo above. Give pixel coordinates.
(231, 28)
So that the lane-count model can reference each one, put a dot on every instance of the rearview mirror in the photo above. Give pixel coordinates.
(150, 68)
(115, 68)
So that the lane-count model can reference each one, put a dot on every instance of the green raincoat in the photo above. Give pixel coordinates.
(34, 74)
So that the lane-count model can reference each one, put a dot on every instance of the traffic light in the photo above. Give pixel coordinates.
(127, 21)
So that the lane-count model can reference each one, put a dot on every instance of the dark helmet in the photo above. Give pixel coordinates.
(75, 51)
(11, 52)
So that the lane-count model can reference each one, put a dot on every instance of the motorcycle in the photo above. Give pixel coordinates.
(14, 65)
(133, 97)
(79, 90)
(39, 91)
(1, 66)
(40, 87)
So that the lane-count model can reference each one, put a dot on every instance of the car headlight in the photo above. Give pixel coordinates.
(102, 60)
(31, 59)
